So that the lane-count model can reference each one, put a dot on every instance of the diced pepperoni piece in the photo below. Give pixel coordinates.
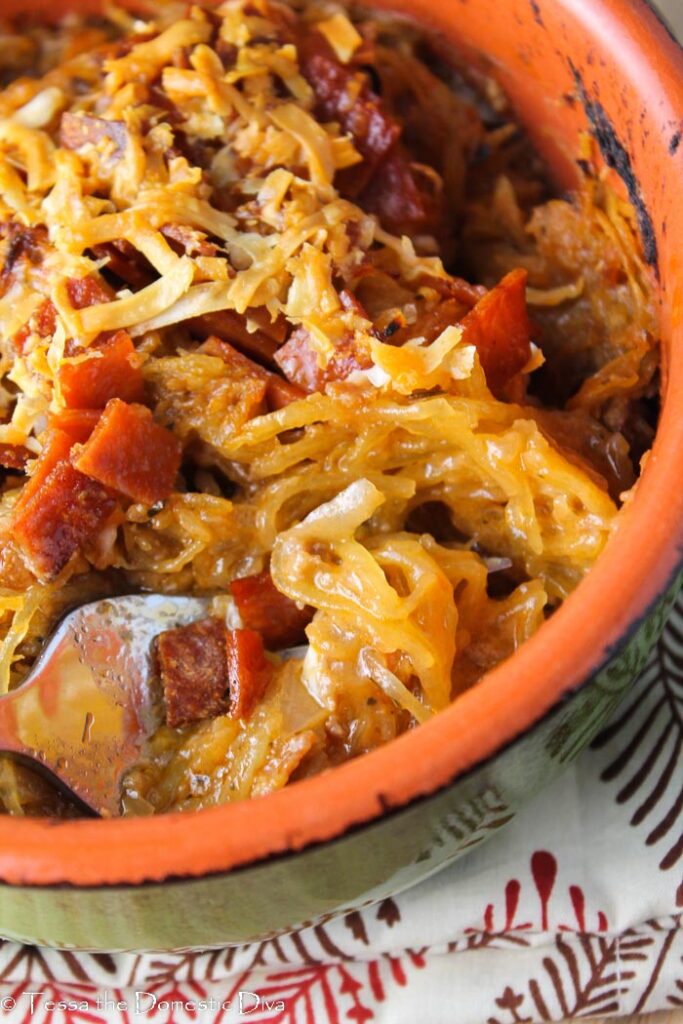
(458, 288)
(250, 382)
(499, 328)
(278, 392)
(193, 667)
(77, 423)
(249, 671)
(281, 393)
(241, 365)
(56, 448)
(298, 360)
(263, 608)
(208, 670)
(78, 130)
(87, 291)
(343, 94)
(430, 324)
(260, 344)
(108, 370)
(394, 196)
(21, 337)
(384, 181)
(14, 456)
(46, 319)
(124, 260)
(130, 453)
(43, 323)
(352, 304)
(21, 244)
(58, 518)
(189, 241)
(82, 292)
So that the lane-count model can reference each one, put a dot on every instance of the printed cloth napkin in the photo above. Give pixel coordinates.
(575, 909)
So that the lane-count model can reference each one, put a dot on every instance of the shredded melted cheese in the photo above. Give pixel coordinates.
(192, 172)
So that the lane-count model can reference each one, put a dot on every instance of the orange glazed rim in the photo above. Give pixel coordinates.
(623, 58)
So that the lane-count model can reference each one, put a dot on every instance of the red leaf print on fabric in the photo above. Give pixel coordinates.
(544, 869)
(588, 975)
(512, 1002)
(388, 912)
(582, 977)
(544, 873)
(328, 993)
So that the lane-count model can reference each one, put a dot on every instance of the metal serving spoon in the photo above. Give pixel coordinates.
(86, 709)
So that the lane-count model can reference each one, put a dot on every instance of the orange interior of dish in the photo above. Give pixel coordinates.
(635, 566)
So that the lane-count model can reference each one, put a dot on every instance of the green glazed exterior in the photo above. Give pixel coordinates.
(364, 865)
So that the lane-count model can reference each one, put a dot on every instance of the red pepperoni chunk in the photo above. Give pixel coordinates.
(247, 381)
(207, 670)
(110, 369)
(241, 365)
(384, 181)
(401, 206)
(82, 292)
(281, 393)
(226, 324)
(43, 323)
(430, 324)
(344, 95)
(193, 666)
(87, 291)
(67, 509)
(277, 392)
(126, 262)
(249, 671)
(46, 319)
(77, 423)
(58, 508)
(78, 130)
(14, 456)
(458, 288)
(298, 360)
(131, 454)
(262, 608)
(21, 245)
(498, 326)
(56, 448)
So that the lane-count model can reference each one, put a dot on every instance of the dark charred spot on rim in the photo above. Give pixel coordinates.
(675, 142)
(616, 156)
(536, 9)
(662, 20)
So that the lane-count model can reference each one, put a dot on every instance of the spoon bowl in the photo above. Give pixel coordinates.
(90, 703)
